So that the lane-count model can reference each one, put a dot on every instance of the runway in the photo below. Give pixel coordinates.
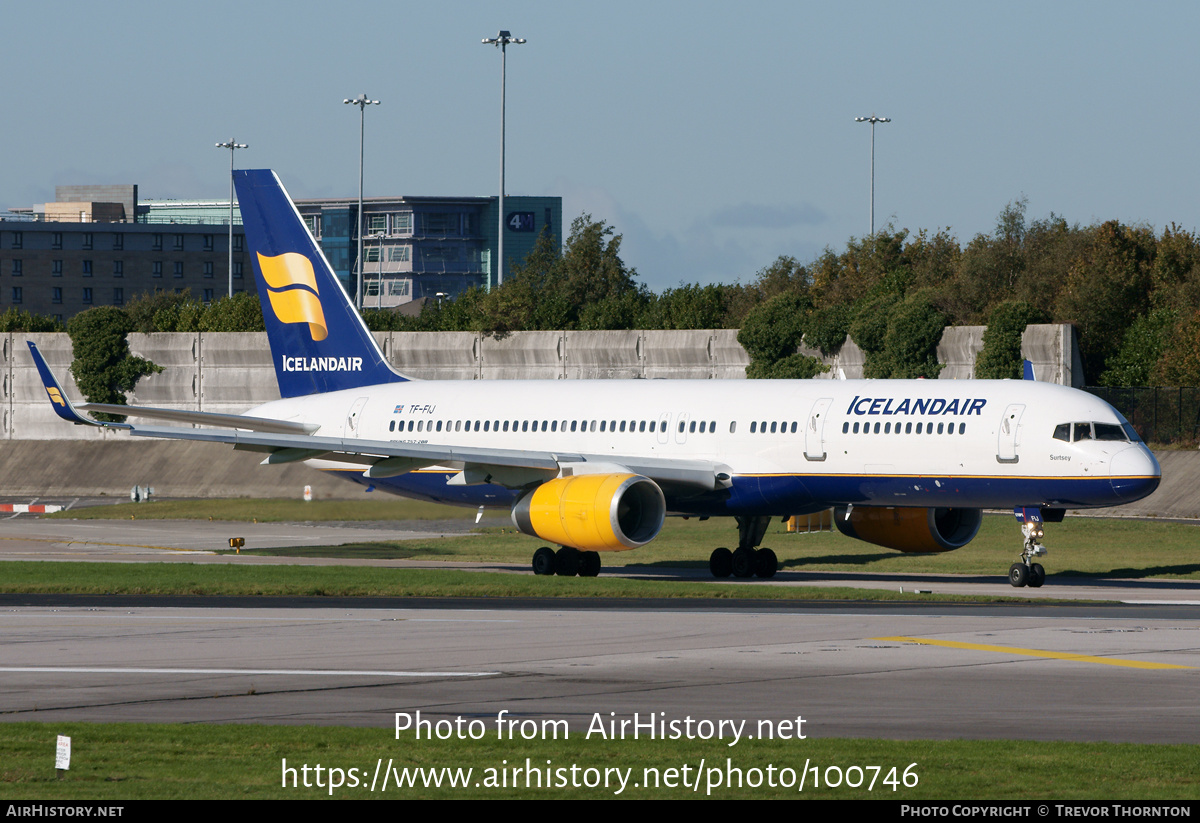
(901, 670)
(905, 672)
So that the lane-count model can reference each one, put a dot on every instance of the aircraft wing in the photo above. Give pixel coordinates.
(385, 458)
(235, 421)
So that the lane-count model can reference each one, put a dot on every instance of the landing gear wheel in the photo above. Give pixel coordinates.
(566, 562)
(543, 561)
(1018, 574)
(744, 562)
(589, 564)
(720, 562)
(765, 563)
(1037, 576)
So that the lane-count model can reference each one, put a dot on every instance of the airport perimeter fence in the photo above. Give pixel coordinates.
(1161, 414)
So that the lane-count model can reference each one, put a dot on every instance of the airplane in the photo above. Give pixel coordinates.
(596, 465)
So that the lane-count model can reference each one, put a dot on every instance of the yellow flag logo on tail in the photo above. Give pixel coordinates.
(289, 277)
(55, 396)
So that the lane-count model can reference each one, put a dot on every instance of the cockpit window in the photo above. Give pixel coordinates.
(1109, 431)
(1112, 432)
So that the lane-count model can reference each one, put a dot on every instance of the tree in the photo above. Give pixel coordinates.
(103, 367)
(1001, 354)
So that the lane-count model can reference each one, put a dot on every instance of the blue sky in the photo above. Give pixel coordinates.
(713, 136)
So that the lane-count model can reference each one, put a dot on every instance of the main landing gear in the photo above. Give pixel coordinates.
(1026, 572)
(746, 560)
(566, 562)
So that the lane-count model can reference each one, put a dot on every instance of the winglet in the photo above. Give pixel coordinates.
(58, 398)
(1027, 368)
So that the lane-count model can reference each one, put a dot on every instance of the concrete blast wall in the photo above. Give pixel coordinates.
(232, 372)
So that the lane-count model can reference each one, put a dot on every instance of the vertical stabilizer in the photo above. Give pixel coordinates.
(318, 341)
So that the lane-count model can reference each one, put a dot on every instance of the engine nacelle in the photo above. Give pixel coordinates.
(910, 530)
(593, 512)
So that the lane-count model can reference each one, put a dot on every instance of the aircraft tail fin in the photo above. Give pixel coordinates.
(1027, 370)
(319, 342)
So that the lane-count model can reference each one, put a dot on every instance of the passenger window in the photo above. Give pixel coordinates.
(940, 427)
(603, 424)
(877, 428)
(439, 425)
(908, 428)
(962, 428)
(754, 425)
(845, 427)
(392, 426)
(855, 427)
(623, 426)
(918, 428)
(887, 428)
(732, 426)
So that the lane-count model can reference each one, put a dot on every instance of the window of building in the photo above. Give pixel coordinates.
(237, 271)
(402, 222)
(87, 241)
(18, 240)
(179, 268)
(56, 240)
(398, 288)
(18, 294)
(178, 242)
(208, 295)
(208, 269)
(87, 296)
(313, 221)
(17, 268)
(157, 268)
(56, 294)
(371, 254)
(118, 268)
(208, 242)
(56, 268)
(118, 241)
(376, 223)
(118, 297)
(157, 245)
(238, 242)
(398, 254)
(87, 268)
(440, 222)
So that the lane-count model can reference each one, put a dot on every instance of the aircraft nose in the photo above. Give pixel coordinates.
(1135, 473)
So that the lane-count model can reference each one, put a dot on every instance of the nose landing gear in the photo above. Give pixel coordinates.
(1026, 572)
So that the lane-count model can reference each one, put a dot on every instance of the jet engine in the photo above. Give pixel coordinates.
(910, 530)
(593, 512)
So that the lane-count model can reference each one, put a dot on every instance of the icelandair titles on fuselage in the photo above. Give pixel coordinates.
(922, 405)
(322, 363)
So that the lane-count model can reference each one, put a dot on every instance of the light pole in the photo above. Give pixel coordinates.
(501, 41)
(362, 101)
(872, 120)
(232, 145)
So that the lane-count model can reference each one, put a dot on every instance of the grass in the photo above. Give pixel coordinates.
(1078, 547)
(382, 507)
(115, 762)
(26, 577)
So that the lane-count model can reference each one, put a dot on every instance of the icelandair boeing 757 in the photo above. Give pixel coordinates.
(595, 465)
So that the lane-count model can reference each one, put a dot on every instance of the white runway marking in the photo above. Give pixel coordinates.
(281, 672)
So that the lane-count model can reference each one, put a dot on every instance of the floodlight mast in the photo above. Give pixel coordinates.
(872, 120)
(362, 101)
(501, 41)
(232, 145)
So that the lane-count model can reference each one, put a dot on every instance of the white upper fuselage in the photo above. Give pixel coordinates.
(999, 432)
